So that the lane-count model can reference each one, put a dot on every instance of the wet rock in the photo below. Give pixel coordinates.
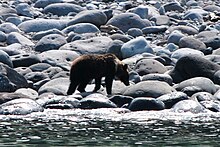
(211, 105)
(50, 42)
(15, 37)
(135, 46)
(143, 103)
(159, 77)
(149, 89)
(25, 60)
(62, 9)
(120, 100)
(147, 66)
(95, 45)
(125, 21)
(204, 83)
(5, 58)
(189, 106)
(81, 28)
(22, 106)
(171, 99)
(95, 101)
(95, 17)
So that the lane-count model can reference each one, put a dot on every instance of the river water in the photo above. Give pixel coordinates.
(110, 127)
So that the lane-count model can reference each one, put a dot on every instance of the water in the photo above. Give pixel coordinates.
(110, 127)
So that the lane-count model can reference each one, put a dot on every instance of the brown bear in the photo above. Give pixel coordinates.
(94, 66)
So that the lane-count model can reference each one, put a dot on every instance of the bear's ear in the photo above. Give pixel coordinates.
(125, 66)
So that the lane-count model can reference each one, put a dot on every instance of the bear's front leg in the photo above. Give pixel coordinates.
(72, 88)
(97, 84)
(108, 82)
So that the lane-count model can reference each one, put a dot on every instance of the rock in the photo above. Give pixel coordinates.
(44, 3)
(203, 96)
(50, 42)
(134, 77)
(159, 77)
(125, 21)
(2, 36)
(62, 9)
(10, 79)
(36, 76)
(193, 66)
(212, 8)
(81, 28)
(161, 20)
(39, 67)
(171, 99)
(95, 45)
(22, 106)
(175, 36)
(5, 58)
(115, 48)
(6, 10)
(15, 37)
(24, 9)
(211, 105)
(8, 27)
(53, 57)
(62, 74)
(120, 100)
(135, 32)
(204, 83)
(41, 34)
(52, 71)
(193, 43)
(25, 60)
(189, 106)
(186, 52)
(12, 49)
(191, 90)
(173, 6)
(154, 29)
(118, 88)
(6, 96)
(94, 101)
(14, 19)
(143, 103)
(95, 17)
(135, 46)
(23, 70)
(28, 92)
(193, 16)
(37, 25)
(147, 66)
(148, 89)
(121, 37)
(184, 29)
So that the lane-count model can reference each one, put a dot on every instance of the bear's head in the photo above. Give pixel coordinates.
(122, 73)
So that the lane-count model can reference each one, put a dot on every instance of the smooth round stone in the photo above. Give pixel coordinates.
(115, 48)
(37, 25)
(184, 29)
(62, 74)
(203, 96)
(175, 36)
(50, 42)
(57, 86)
(193, 43)
(171, 47)
(81, 28)
(2, 36)
(36, 76)
(23, 70)
(57, 56)
(7, 10)
(24, 9)
(161, 20)
(12, 49)
(173, 6)
(39, 67)
(95, 17)
(120, 100)
(135, 32)
(15, 37)
(5, 58)
(171, 99)
(94, 101)
(147, 66)
(28, 92)
(37, 85)
(143, 103)
(95, 45)
(210, 38)
(193, 16)
(212, 8)
(10, 79)
(159, 77)
(135, 46)
(154, 29)
(8, 27)
(211, 105)
(125, 21)
(189, 106)
(41, 34)
(25, 60)
(134, 77)
(185, 52)
(204, 83)
(62, 9)
(52, 71)
(149, 89)
(44, 3)
(190, 90)
(118, 88)
(121, 37)
(22, 106)
(7, 96)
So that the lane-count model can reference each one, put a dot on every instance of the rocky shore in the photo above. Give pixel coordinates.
(172, 49)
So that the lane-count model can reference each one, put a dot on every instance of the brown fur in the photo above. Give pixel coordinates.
(94, 66)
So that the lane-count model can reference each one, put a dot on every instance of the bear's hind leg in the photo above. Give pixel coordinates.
(108, 83)
(72, 88)
(97, 84)
(82, 86)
